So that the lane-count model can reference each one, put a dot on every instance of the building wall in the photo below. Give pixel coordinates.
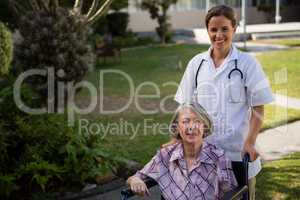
(141, 21)
(253, 16)
(185, 19)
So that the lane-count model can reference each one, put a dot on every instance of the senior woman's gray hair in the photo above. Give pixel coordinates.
(200, 111)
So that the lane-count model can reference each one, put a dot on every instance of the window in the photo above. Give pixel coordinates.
(189, 5)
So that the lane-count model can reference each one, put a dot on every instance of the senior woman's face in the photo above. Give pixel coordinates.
(190, 126)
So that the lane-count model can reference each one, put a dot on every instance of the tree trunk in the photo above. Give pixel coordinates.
(164, 26)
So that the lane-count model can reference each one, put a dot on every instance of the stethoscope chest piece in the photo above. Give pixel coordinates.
(235, 69)
(236, 85)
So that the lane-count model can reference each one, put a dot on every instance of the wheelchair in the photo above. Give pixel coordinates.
(241, 192)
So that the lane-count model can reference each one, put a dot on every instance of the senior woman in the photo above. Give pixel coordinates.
(190, 169)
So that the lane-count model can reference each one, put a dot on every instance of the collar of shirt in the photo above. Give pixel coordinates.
(203, 157)
(233, 54)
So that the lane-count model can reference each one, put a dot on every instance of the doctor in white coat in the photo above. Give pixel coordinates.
(232, 87)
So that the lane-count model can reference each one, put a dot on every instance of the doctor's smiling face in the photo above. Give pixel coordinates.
(220, 31)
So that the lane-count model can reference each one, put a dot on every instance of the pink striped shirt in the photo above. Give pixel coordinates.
(208, 179)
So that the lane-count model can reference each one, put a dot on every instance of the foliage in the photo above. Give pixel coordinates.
(266, 7)
(100, 27)
(7, 12)
(6, 48)
(53, 39)
(117, 23)
(118, 5)
(131, 40)
(40, 153)
(269, 9)
(7, 185)
(158, 10)
(4, 11)
(89, 9)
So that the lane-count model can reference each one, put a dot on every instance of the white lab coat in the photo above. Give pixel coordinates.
(227, 101)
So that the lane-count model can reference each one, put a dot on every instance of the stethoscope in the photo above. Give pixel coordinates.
(229, 75)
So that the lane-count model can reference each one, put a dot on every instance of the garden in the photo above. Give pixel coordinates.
(42, 155)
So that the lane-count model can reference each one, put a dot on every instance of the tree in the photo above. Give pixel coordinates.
(54, 37)
(158, 10)
(116, 22)
(93, 11)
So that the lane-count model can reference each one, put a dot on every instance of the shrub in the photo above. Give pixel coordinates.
(132, 40)
(5, 49)
(117, 23)
(53, 39)
(6, 15)
(40, 153)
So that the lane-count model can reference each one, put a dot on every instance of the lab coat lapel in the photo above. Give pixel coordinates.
(228, 62)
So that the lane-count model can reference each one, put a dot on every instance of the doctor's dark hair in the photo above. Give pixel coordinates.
(199, 111)
(221, 10)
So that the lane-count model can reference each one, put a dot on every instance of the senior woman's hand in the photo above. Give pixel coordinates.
(138, 186)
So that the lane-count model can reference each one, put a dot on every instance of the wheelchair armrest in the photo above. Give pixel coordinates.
(236, 193)
(127, 193)
(246, 160)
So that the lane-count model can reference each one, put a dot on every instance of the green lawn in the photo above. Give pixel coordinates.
(159, 65)
(139, 139)
(276, 115)
(283, 70)
(280, 179)
(156, 64)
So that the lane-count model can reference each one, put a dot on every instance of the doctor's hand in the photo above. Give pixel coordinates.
(250, 149)
(138, 186)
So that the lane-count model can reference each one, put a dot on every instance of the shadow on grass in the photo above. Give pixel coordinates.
(280, 179)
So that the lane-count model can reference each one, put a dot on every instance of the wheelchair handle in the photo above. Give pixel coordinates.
(246, 158)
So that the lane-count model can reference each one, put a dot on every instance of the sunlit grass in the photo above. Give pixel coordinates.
(279, 180)
(283, 70)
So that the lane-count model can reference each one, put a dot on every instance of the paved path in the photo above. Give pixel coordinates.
(262, 28)
(277, 142)
(257, 48)
(290, 28)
